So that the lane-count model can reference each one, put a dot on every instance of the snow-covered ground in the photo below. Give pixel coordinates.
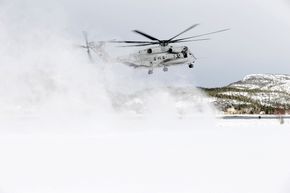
(144, 154)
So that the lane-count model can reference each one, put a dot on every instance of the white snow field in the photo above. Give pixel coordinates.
(95, 154)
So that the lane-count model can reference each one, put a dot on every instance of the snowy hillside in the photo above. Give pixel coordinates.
(256, 93)
(267, 82)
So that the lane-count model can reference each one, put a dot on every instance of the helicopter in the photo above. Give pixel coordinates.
(160, 54)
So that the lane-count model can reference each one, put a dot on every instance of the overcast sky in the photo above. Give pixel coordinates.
(258, 42)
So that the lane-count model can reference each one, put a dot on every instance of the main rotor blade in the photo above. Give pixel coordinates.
(131, 42)
(146, 35)
(202, 35)
(140, 45)
(196, 40)
(191, 27)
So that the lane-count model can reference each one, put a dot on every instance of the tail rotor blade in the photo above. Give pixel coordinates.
(90, 55)
(87, 46)
(85, 34)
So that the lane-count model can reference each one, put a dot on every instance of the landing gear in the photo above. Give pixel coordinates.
(165, 69)
(150, 71)
(190, 65)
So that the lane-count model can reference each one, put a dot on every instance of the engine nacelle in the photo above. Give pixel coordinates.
(149, 51)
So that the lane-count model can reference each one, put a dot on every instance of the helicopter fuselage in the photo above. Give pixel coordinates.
(161, 56)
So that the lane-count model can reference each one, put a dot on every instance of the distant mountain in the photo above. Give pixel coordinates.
(256, 93)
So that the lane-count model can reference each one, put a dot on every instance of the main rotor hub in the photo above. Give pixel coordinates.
(164, 43)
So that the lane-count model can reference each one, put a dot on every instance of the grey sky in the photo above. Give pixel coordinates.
(259, 40)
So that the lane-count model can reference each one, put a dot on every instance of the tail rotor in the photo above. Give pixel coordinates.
(88, 46)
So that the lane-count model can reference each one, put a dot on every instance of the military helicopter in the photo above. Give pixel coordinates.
(162, 55)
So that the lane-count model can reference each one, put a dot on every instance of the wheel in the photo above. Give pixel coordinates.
(150, 71)
(165, 69)
(190, 65)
